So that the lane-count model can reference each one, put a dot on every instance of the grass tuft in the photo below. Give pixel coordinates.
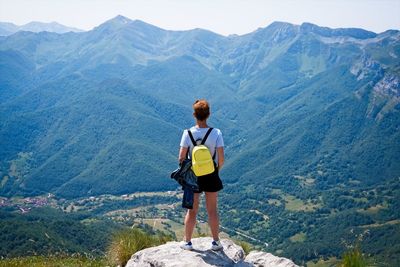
(247, 247)
(353, 258)
(128, 241)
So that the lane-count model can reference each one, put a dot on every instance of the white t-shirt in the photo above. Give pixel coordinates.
(213, 141)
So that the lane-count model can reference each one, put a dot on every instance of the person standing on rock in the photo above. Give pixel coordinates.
(210, 184)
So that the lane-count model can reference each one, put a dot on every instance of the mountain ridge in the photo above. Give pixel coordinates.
(123, 20)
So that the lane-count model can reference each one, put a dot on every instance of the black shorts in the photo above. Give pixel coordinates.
(209, 183)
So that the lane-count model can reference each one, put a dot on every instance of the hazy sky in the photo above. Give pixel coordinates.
(221, 16)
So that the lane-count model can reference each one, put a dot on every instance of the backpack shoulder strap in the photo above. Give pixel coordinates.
(206, 136)
(191, 137)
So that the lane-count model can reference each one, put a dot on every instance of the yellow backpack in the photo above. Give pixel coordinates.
(202, 161)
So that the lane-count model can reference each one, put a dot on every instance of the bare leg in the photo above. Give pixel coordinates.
(190, 218)
(213, 219)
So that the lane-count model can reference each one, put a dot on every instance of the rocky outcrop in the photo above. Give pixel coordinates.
(388, 86)
(366, 67)
(171, 255)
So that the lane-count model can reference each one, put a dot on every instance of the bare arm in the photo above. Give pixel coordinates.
(182, 153)
(221, 158)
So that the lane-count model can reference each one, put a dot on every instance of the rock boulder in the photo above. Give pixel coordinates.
(171, 255)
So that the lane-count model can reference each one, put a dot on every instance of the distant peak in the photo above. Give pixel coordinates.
(123, 23)
(38, 26)
(277, 30)
(280, 23)
(120, 19)
(277, 25)
(115, 23)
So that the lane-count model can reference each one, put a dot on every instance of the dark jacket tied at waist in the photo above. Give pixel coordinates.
(188, 180)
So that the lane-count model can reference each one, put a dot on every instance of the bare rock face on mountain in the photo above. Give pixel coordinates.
(170, 254)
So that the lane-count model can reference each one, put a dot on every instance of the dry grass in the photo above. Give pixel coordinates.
(127, 242)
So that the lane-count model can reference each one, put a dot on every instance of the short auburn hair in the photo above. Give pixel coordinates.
(201, 109)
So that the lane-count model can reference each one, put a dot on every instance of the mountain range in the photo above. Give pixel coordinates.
(7, 28)
(310, 118)
(97, 107)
